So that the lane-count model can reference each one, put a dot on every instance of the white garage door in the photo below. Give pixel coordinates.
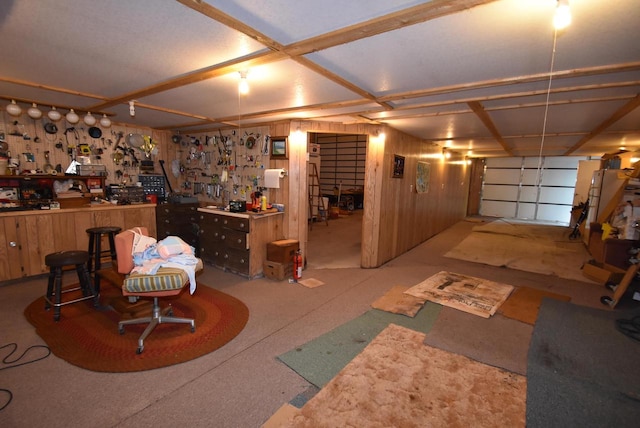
(530, 188)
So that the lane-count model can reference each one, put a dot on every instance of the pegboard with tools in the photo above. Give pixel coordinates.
(228, 165)
(42, 146)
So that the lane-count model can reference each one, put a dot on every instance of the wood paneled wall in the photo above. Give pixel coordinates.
(396, 218)
(408, 218)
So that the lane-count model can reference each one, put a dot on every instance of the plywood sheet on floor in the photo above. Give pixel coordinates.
(399, 381)
(398, 302)
(532, 248)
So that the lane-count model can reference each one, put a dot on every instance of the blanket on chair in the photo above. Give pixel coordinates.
(172, 251)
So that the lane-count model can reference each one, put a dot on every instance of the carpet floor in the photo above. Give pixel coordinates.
(581, 371)
(397, 381)
(88, 337)
(319, 360)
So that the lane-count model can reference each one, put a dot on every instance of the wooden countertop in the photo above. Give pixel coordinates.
(88, 207)
(248, 214)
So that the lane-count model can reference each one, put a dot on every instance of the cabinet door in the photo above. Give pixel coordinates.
(237, 260)
(10, 255)
(37, 240)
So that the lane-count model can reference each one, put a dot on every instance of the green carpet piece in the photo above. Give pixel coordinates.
(319, 360)
(581, 371)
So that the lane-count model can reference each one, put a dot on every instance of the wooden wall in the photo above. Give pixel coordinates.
(396, 218)
(408, 218)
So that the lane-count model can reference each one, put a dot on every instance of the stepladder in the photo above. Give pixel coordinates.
(317, 208)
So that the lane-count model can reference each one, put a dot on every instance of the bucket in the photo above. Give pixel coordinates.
(334, 212)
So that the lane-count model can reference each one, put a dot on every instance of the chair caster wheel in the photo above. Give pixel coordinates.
(193, 329)
(606, 300)
(121, 329)
(610, 285)
(170, 312)
(139, 350)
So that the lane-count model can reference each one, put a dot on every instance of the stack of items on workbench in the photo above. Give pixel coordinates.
(280, 254)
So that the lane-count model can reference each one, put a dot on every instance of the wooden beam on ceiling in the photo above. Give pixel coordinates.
(538, 77)
(383, 24)
(617, 115)
(51, 88)
(236, 64)
(229, 21)
(339, 80)
(484, 117)
(389, 22)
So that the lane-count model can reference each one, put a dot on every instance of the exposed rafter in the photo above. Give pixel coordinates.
(616, 116)
(486, 119)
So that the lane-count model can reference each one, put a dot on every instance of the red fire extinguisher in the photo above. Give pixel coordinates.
(297, 265)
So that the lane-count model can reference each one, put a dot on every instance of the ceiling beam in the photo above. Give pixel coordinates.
(532, 78)
(234, 65)
(484, 117)
(393, 21)
(617, 115)
(231, 22)
(508, 96)
(389, 22)
(339, 80)
(50, 88)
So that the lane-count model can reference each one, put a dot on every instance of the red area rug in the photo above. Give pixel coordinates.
(88, 337)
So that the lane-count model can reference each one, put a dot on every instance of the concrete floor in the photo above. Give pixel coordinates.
(243, 384)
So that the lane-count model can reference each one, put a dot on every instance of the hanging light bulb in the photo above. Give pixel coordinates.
(14, 109)
(34, 112)
(89, 119)
(132, 108)
(54, 114)
(105, 122)
(72, 117)
(243, 86)
(562, 17)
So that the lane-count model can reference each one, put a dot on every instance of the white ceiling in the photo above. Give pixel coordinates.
(467, 74)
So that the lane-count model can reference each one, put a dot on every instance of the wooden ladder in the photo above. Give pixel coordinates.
(315, 196)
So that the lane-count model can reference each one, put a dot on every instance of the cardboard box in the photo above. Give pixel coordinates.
(282, 251)
(277, 271)
(602, 273)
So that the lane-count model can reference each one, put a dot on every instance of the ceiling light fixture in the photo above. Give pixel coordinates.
(89, 119)
(34, 112)
(105, 122)
(562, 17)
(14, 109)
(132, 108)
(54, 115)
(72, 117)
(243, 86)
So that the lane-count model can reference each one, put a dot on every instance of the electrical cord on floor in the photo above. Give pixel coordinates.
(7, 360)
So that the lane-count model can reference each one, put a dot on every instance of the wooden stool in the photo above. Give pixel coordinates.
(96, 252)
(56, 261)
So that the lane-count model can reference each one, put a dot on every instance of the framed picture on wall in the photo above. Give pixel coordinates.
(423, 175)
(279, 147)
(398, 166)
